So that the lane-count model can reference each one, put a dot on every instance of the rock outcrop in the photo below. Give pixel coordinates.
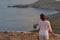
(50, 4)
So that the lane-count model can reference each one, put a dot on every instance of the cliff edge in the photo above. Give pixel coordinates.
(5, 35)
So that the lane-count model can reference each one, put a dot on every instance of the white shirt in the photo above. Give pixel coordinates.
(44, 27)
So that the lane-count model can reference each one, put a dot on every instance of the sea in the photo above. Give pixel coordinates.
(20, 19)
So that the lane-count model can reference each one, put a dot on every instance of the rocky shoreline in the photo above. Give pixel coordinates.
(55, 22)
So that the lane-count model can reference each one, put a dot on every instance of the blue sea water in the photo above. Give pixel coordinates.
(20, 19)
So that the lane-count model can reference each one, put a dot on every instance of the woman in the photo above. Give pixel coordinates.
(44, 27)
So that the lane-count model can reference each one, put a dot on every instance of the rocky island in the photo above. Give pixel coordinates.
(19, 6)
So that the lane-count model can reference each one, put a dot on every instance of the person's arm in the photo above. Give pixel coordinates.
(51, 31)
(36, 29)
(50, 28)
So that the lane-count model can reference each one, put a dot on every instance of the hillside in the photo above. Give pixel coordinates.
(52, 4)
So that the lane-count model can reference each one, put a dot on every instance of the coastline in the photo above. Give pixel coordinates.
(54, 5)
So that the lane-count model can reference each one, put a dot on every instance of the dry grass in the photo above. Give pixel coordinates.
(5, 35)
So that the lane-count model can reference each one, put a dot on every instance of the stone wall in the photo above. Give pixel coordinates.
(4, 35)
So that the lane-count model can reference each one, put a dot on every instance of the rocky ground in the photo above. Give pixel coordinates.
(5, 35)
(55, 22)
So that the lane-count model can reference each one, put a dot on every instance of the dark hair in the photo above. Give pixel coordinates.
(43, 17)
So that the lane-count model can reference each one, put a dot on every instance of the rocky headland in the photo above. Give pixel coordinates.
(50, 4)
